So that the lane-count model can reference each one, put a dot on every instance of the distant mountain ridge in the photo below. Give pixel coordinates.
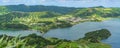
(53, 16)
(40, 8)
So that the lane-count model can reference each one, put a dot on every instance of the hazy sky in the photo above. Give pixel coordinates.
(69, 3)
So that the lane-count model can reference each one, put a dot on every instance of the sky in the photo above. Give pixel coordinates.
(67, 3)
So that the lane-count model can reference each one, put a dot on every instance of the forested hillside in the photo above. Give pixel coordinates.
(103, 12)
(44, 18)
(39, 8)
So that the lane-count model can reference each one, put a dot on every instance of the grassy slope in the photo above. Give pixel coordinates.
(34, 20)
(49, 20)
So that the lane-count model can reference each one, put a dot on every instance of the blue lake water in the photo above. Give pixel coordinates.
(77, 31)
(19, 32)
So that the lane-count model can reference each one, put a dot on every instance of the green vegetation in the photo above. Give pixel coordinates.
(44, 18)
(40, 8)
(97, 35)
(103, 12)
(82, 44)
(42, 21)
(3, 10)
(34, 41)
(16, 26)
(31, 41)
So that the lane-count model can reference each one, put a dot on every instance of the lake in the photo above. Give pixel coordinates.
(19, 32)
(77, 31)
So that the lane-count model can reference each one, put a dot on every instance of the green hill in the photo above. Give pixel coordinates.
(44, 18)
(41, 17)
(39, 8)
(3, 10)
(103, 12)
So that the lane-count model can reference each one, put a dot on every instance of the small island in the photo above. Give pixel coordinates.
(45, 18)
(91, 40)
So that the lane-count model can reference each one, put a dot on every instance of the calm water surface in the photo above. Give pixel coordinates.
(20, 32)
(78, 31)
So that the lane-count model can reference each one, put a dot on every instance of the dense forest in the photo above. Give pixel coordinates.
(44, 18)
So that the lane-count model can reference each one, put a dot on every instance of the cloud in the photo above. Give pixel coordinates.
(5, 1)
(42, 1)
